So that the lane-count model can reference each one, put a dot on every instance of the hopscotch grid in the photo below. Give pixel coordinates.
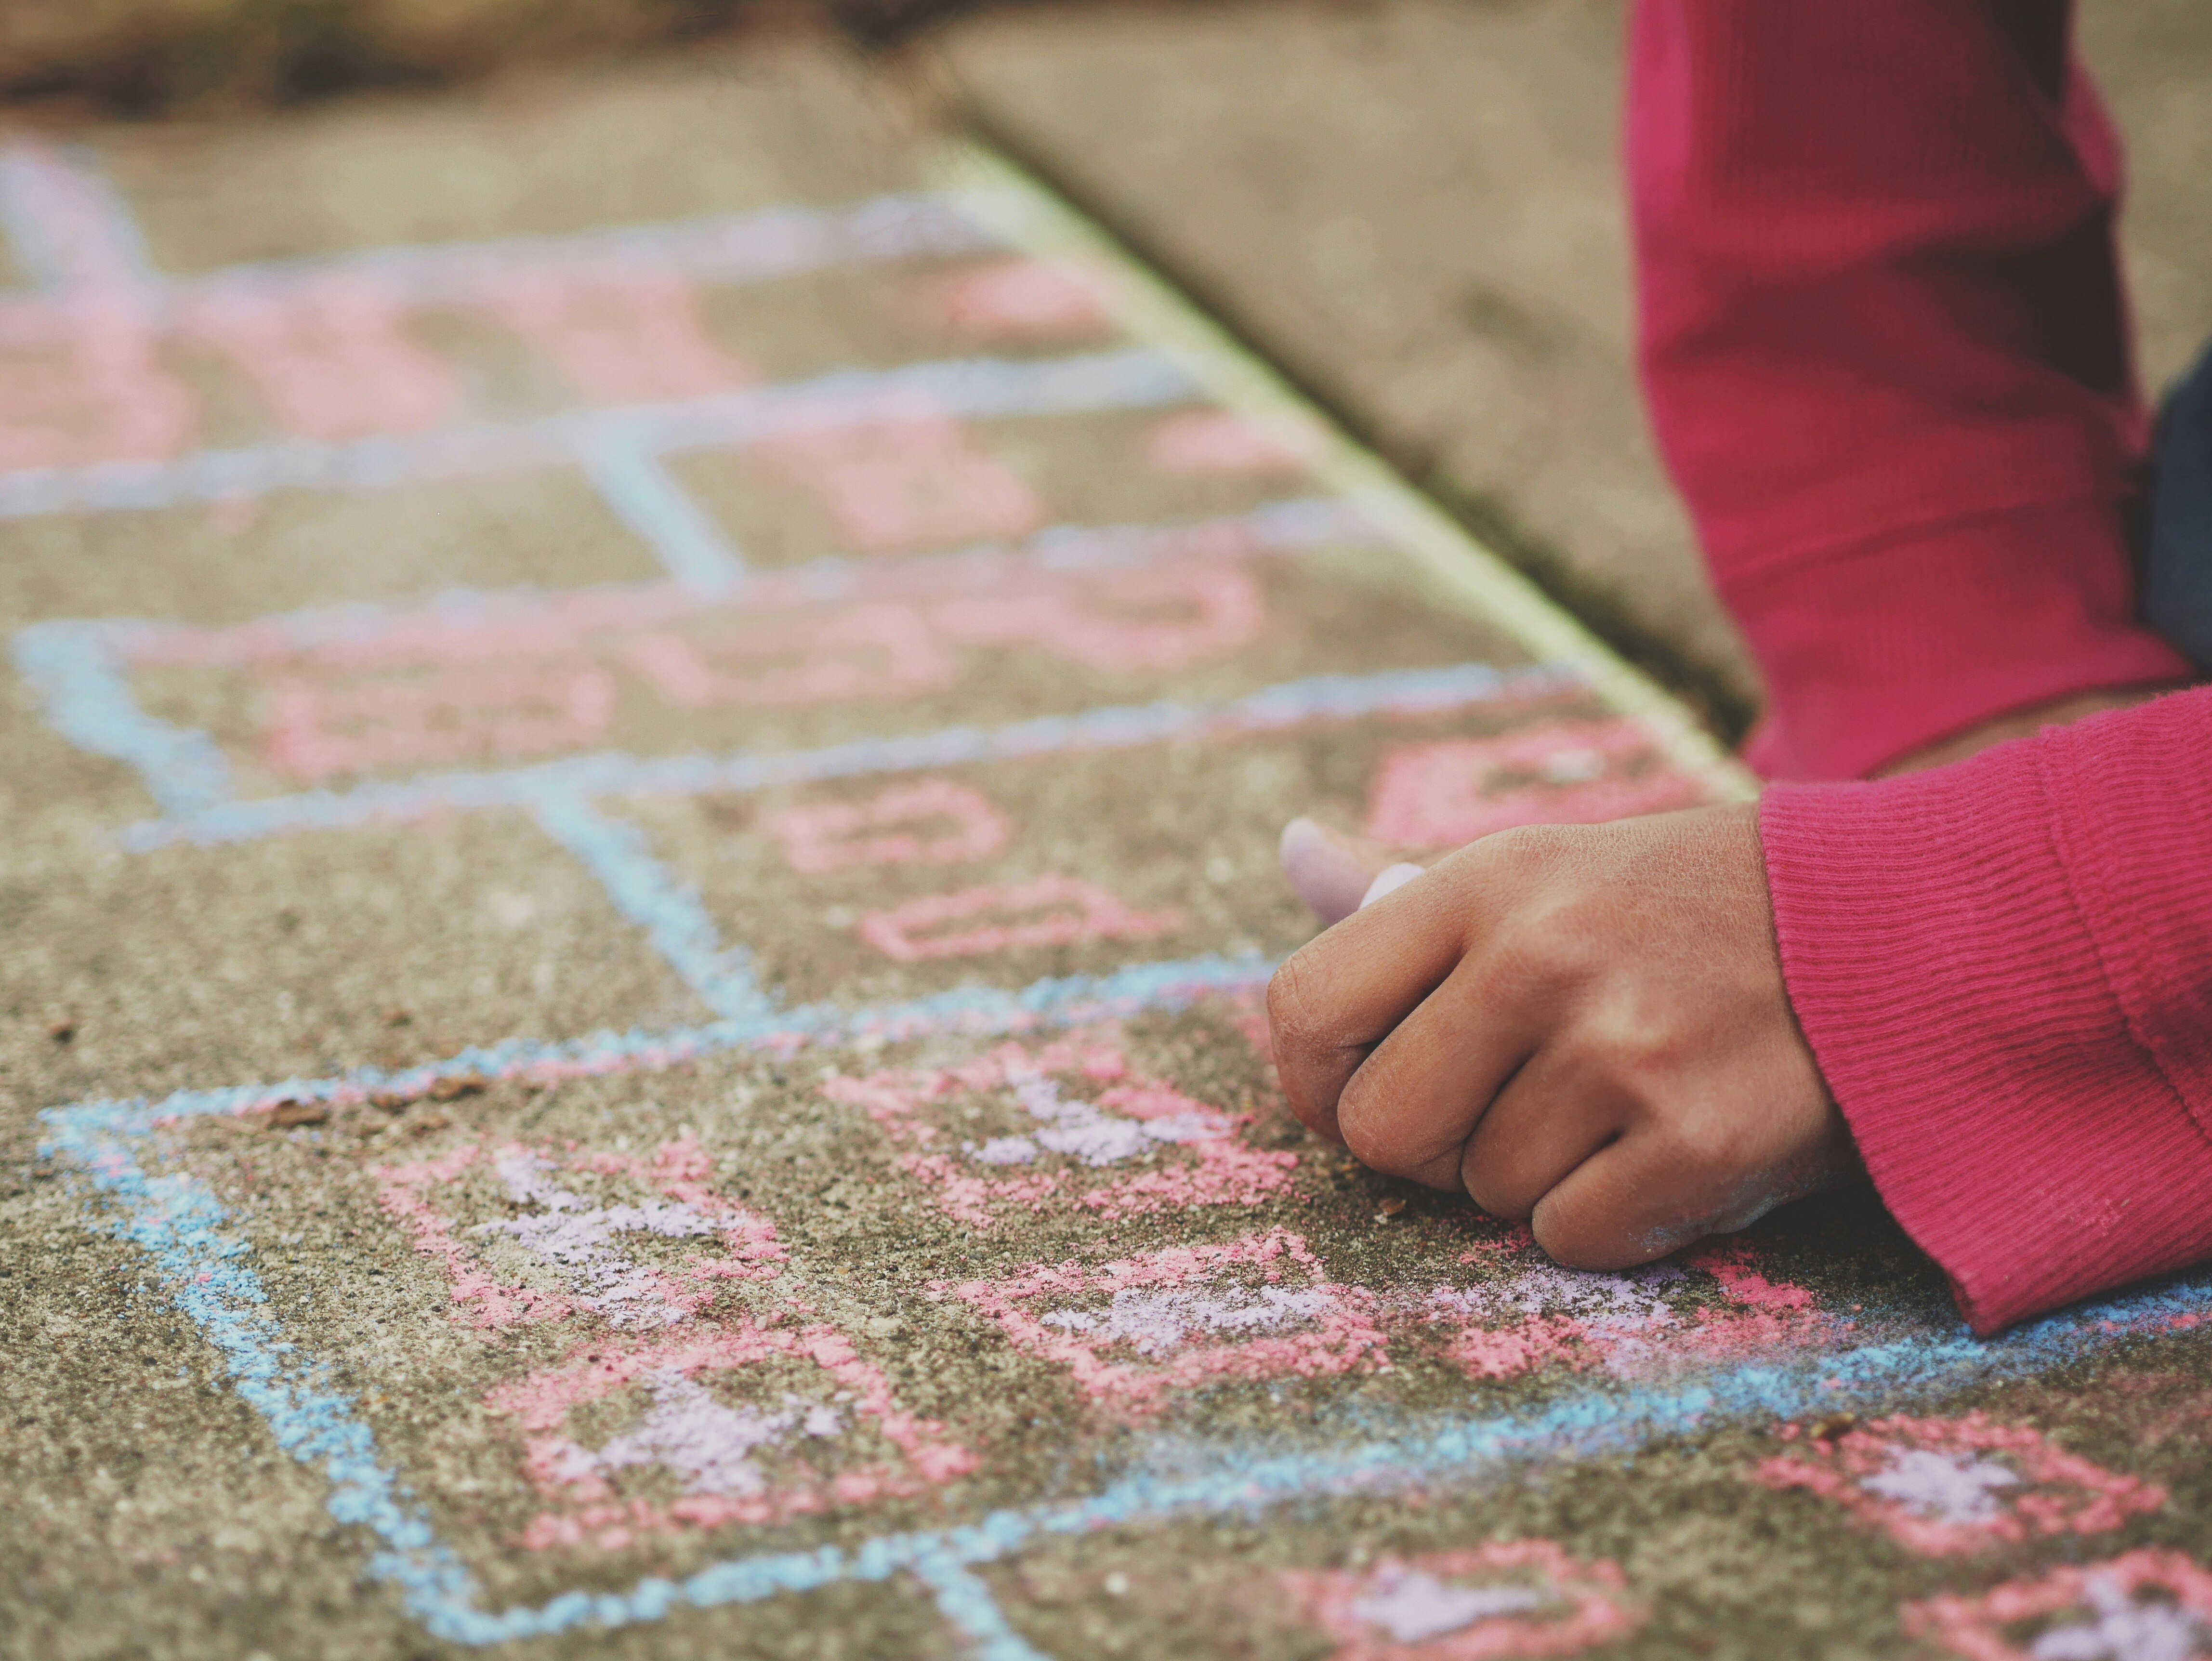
(178, 1223)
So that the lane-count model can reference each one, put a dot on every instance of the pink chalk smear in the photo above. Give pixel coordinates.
(1224, 441)
(1511, 1597)
(634, 339)
(316, 730)
(1538, 1315)
(334, 362)
(710, 1448)
(1056, 297)
(868, 653)
(1440, 794)
(1139, 1332)
(2114, 1620)
(1070, 1139)
(833, 836)
(1159, 619)
(577, 1240)
(915, 480)
(89, 388)
(97, 395)
(1948, 1487)
(1070, 910)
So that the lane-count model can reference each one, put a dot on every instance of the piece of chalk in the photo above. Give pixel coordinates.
(1388, 881)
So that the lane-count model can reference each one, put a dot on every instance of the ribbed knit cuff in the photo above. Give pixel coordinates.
(1978, 1006)
(1870, 652)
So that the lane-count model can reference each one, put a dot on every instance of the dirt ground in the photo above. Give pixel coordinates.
(641, 780)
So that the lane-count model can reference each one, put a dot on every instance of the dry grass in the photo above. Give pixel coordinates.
(150, 57)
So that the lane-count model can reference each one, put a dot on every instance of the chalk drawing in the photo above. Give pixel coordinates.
(1507, 1598)
(1048, 911)
(1224, 441)
(315, 731)
(339, 365)
(635, 340)
(1642, 1323)
(571, 1259)
(747, 1462)
(1948, 1487)
(501, 678)
(81, 384)
(1012, 1132)
(1019, 300)
(1137, 1332)
(1442, 794)
(911, 478)
(2147, 1605)
(946, 823)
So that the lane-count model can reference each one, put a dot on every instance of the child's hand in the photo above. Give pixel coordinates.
(1585, 1025)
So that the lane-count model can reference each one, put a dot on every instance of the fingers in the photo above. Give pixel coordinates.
(1620, 1208)
(1411, 1106)
(1547, 1119)
(1341, 994)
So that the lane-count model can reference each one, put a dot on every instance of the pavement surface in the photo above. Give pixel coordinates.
(646, 727)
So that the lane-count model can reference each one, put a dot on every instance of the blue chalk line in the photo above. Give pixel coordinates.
(1132, 378)
(645, 496)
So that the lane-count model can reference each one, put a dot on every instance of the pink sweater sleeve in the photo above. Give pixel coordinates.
(1886, 356)
(2004, 968)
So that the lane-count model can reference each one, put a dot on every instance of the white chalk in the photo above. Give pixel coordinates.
(1389, 881)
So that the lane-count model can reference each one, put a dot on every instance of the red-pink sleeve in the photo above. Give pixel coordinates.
(2004, 968)
(1887, 355)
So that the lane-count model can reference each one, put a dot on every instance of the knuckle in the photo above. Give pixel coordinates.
(1292, 1019)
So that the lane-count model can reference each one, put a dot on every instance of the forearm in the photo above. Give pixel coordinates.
(1886, 353)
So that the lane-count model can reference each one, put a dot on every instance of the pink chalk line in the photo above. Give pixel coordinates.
(1139, 1332)
(1538, 1315)
(1948, 1487)
(517, 682)
(633, 339)
(2116, 1621)
(1062, 1138)
(833, 835)
(1512, 1597)
(1440, 794)
(1088, 576)
(914, 479)
(1059, 297)
(336, 365)
(1048, 910)
(1224, 441)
